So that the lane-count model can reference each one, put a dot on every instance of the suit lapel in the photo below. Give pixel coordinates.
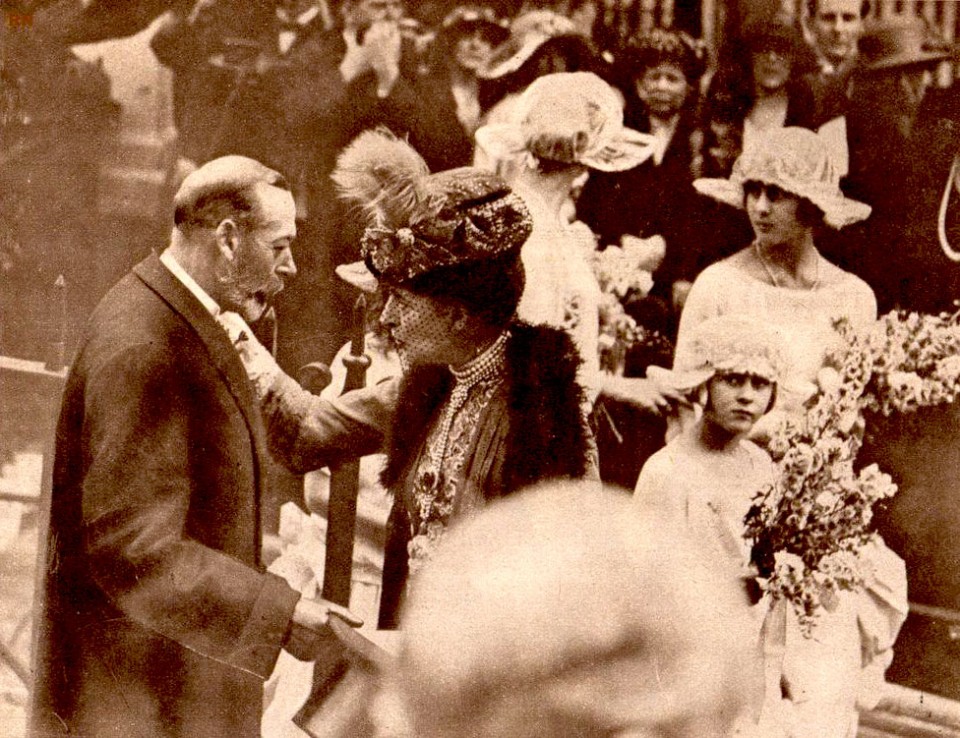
(173, 292)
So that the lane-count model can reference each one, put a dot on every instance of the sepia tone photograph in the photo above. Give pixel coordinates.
(502, 368)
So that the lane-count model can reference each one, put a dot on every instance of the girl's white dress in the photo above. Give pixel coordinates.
(841, 665)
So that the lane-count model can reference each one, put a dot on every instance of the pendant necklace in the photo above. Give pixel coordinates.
(773, 276)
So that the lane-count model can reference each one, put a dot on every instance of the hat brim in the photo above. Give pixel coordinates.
(683, 382)
(357, 274)
(924, 58)
(497, 33)
(838, 211)
(504, 141)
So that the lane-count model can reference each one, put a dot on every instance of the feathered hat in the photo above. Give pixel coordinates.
(419, 222)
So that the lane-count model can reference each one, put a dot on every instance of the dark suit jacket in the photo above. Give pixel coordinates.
(158, 619)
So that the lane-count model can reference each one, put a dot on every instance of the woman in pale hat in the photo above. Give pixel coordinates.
(487, 404)
(705, 479)
(730, 366)
(566, 126)
(541, 42)
(789, 187)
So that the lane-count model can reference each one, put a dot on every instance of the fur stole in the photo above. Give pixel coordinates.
(547, 436)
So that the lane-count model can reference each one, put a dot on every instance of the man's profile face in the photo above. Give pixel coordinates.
(364, 13)
(837, 27)
(263, 259)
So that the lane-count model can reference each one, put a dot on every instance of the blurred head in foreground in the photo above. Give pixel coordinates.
(559, 612)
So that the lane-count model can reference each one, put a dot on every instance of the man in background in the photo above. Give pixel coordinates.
(835, 27)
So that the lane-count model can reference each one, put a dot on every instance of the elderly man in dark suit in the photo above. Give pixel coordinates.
(159, 619)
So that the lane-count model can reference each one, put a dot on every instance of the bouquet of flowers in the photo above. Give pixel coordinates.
(624, 274)
(809, 525)
(916, 362)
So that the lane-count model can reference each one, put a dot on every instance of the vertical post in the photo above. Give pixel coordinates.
(709, 13)
(345, 480)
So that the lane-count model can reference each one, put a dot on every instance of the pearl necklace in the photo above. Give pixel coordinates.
(484, 367)
(773, 277)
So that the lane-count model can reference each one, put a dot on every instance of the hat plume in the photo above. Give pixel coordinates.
(385, 176)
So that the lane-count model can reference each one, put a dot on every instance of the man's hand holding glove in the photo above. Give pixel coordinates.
(310, 630)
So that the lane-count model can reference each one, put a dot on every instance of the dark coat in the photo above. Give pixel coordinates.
(532, 430)
(651, 199)
(158, 619)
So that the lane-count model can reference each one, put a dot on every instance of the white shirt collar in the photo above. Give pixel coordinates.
(168, 260)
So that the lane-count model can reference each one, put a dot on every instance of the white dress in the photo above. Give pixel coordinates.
(561, 289)
(708, 493)
(824, 673)
(802, 318)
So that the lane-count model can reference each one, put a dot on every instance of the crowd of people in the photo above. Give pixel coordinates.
(466, 178)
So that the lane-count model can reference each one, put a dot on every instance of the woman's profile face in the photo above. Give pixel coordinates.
(663, 89)
(737, 401)
(774, 214)
(472, 50)
(421, 327)
(771, 67)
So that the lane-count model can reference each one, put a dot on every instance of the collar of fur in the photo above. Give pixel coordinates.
(547, 436)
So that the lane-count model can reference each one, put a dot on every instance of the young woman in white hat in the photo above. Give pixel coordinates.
(790, 189)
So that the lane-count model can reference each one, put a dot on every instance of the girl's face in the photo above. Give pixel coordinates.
(774, 214)
(735, 402)
(663, 89)
(771, 68)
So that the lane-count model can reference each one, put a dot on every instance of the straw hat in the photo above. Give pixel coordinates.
(797, 161)
(573, 118)
(901, 41)
(528, 33)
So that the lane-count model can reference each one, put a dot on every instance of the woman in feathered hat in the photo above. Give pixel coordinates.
(487, 405)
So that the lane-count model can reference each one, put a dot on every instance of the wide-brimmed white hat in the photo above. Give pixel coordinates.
(726, 344)
(528, 32)
(570, 117)
(797, 161)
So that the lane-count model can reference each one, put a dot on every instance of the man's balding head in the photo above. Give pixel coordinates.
(561, 612)
(227, 187)
(234, 225)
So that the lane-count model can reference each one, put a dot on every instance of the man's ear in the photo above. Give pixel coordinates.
(228, 238)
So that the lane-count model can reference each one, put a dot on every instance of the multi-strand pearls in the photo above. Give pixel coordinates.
(483, 367)
(434, 495)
